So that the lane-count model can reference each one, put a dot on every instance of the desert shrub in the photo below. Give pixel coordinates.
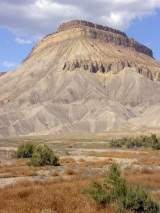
(43, 155)
(39, 155)
(99, 194)
(117, 184)
(155, 142)
(25, 150)
(141, 141)
(115, 144)
(138, 200)
(115, 189)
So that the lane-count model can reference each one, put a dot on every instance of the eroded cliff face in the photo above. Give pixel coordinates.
(83, 29)
(126, 52)
(104, 67)
(75, 23)
(107, 34)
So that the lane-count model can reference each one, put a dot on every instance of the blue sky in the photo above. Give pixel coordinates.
(24, 23)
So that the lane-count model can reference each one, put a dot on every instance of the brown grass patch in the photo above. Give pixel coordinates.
(81, 160)
(16, 169)
(149, 178)
(69, 145)
(55, 172)
(69, 171)
(114, 154)
(67, 160)
(98, 163)
(52, 195)
(147, 161)
(36, 197)
(156, 195)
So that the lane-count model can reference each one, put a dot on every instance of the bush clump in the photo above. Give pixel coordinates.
(115, 189)
(39, 155)
(43, 155)
(141, 141)
(25, 150)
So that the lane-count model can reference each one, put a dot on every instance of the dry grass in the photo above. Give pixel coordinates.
(147, 161)
(67, 160)
(17, 163)
(62, 196)
(62, 193)
(81, 160)
(156, 195)
(69, 171)
(55, 172)
(115, 154)
(148, 157)
(69, 145)
(37, 196)
(98, 163)
(149, 178)
(16, 169)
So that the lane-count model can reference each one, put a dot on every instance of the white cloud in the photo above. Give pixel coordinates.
(23, 41)
(8, 64)
(29, 39)
(41, 17)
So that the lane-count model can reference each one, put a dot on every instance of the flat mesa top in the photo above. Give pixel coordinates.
(83, 23)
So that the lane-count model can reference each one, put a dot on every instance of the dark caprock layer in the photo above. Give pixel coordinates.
(95, 29)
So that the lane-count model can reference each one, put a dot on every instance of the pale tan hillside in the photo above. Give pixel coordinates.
(83, 78)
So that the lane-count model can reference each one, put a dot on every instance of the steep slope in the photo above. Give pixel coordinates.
(83, 78)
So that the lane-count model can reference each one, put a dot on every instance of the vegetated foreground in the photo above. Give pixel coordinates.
(59, 188)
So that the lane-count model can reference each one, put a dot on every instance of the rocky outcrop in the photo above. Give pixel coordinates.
(83, 29)
(95, 32)
(2, 73)
(78, 23)
(104, 67)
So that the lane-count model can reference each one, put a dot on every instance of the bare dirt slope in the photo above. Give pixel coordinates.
(83, 78)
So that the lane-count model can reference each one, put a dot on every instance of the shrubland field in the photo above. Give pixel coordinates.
(82, 159)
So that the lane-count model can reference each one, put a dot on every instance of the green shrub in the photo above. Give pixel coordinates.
(138, 200)
(115, 143)
(117, 184)
(155, 142)
(39, 155)
(145, 141)
(99, 194)
(25, 150)
(115, 189)
(43, 155)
